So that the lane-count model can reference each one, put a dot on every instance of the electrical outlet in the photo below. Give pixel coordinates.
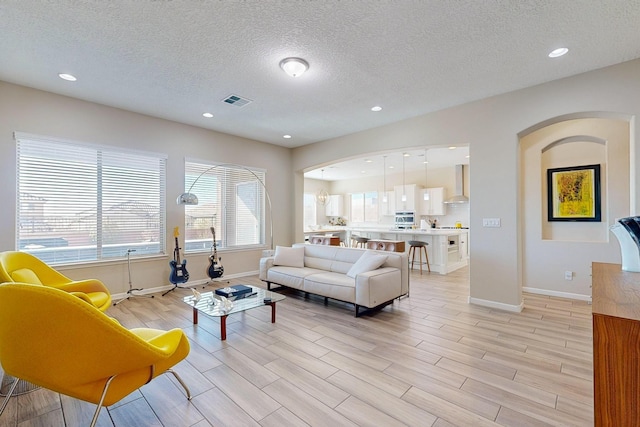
(568, 275)
(491, 222)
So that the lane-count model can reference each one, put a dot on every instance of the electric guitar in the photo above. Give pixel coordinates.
(215, 267)
(179, 273)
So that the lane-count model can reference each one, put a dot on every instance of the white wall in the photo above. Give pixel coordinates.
(491, 128)
(42, 113)
(552, 248)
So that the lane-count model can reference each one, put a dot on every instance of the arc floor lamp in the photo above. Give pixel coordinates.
(189, 198)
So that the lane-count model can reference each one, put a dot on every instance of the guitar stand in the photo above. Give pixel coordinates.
(174, 288)
(130, 293)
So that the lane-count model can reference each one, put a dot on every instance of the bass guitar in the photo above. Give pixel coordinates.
(179, 273)
(215, 269)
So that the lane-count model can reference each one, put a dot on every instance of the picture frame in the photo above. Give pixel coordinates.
(573, 194)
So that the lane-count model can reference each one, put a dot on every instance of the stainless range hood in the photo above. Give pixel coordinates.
(459, 196)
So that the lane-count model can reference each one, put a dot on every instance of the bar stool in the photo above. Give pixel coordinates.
(422, 246)
(359, 241)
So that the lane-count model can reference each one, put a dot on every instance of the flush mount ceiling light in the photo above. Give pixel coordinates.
(68, 77)
(376, 108)
(295, 67)
(286, 136)
(558, 52)
(207, 115)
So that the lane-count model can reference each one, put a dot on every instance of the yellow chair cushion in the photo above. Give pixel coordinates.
(25, 275)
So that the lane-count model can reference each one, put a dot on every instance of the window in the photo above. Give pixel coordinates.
(80, 202)
(310, 211)
(231, 199)
(364, 207)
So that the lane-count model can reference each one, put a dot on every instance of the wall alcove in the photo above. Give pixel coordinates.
(551, 249)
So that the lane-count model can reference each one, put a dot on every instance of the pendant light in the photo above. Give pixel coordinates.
(404, 194)
(384, 180)
(426, 191)
(322, 197)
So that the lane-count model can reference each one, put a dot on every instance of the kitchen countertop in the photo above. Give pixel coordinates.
(429, 231)
(387, 230)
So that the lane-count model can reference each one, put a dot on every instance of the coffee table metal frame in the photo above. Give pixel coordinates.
(210, 305)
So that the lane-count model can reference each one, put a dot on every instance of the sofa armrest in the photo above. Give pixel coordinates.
(265, 264)
(378, 286)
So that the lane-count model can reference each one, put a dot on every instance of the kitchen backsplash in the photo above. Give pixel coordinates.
(455, 213)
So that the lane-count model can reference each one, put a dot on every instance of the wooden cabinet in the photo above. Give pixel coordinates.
(616, 348)
(435, 205)
(335, 205)
(387, 208)
(413, 194)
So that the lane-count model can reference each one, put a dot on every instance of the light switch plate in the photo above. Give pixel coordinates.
(491, 222)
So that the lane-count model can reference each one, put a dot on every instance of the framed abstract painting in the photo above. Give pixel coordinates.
(574, 193)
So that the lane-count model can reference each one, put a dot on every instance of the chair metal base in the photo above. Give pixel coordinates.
(14, 385)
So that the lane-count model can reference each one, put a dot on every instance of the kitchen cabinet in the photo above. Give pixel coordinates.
(335, 205)
(387, 208)
(435, 205)
(414, 198)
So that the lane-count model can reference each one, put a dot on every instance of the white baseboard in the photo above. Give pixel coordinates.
(192, 284)
(498, 305)
(558, 294)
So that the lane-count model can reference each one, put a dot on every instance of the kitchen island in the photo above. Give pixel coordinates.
(447, 248)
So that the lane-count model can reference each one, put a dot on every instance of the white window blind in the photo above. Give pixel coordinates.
(310, 210)
(80, 202)
(231, 199)
(364, 207)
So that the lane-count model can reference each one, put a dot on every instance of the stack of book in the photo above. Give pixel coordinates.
(236, 291)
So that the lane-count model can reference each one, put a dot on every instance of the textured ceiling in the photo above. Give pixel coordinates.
(178, 59)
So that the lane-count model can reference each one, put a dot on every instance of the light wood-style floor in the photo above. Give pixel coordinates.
(427, 360)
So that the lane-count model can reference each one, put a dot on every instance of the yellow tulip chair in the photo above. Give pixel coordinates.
(25, 268)
(52, 339)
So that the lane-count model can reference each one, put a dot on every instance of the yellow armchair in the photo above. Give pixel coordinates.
(52, 339)
(26, 268)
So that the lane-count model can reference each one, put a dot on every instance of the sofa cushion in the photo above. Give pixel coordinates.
(289, 257)
(367, 262)
(292, 277)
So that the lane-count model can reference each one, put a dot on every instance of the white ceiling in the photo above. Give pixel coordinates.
(392, 162)
(178, 59)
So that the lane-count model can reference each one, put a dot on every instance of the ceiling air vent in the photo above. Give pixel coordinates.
(236, 100)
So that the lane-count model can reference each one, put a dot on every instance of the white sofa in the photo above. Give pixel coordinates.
(325, 270)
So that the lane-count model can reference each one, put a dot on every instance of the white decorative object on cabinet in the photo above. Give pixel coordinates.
(435, 205)
(413, 194)
(387, 208)
(335, 205)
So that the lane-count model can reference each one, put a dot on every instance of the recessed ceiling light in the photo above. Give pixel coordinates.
(425, 162)
(467, 157)
(368, 161)
(558, 52)
(407, 155)
(376, 108)
(67, 77)
(295, 67)
(363, 171)
(286, 136)
(390, 167)
(452, 148)
(207, 115)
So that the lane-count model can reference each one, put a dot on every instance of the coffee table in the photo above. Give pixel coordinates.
(210, 305)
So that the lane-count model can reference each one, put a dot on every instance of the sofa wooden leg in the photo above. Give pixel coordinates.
(268, 286)
(357, 306)
(326, 300)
